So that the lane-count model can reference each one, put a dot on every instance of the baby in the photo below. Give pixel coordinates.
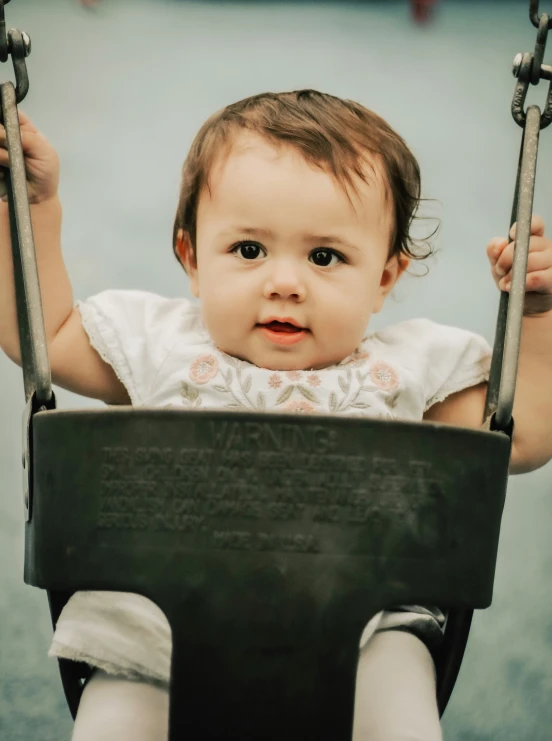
(293, 227)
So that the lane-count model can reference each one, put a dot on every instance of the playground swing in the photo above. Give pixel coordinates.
(402, 512)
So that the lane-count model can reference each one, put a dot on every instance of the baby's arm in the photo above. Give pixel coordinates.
(75, 365)
(532, 439)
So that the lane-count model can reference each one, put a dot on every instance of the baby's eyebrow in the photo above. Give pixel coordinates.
(325, 240)
(328, 241)
(250, 231)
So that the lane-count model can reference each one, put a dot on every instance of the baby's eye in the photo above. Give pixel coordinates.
(248, 250)
(325, 258)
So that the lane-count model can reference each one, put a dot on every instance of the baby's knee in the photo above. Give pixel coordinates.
(113, 708)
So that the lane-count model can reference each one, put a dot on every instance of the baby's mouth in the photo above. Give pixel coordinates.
(284, 327)
(282, 332)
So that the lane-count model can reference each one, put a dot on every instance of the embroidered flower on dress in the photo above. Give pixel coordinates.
(203, 369)
(314, 379)
(189, 395)
(299, 407)
(384, 376)
(293, 375)
(275, 381)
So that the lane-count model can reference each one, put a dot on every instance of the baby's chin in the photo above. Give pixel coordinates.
(284, 361)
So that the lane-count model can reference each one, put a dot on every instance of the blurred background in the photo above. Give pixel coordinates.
(121, 87)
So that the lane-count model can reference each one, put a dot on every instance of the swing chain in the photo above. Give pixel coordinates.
(529, 70)
(35, 363)
(534, 14)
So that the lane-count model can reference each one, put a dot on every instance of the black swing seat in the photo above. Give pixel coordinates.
(268, 540)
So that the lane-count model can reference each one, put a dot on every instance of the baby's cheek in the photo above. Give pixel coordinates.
(211, 313)
(226, 321)
(218, 325)
(344, 329)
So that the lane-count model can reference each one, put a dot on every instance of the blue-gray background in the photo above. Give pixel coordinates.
(121, 91)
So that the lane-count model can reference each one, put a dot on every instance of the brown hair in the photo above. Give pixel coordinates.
(331, 133)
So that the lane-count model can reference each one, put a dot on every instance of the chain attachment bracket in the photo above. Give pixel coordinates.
(18, 45)
(529, 70)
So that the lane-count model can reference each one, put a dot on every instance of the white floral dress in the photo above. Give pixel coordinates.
(164, 356)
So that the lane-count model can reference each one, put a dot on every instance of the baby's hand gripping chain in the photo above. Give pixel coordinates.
(538, 285)
(41, 162)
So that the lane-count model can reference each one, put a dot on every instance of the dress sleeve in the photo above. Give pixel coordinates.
(426, 623)
(133, 331)
(454, 358)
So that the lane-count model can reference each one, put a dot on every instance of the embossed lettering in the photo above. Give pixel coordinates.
(268, 487)
(233, 539)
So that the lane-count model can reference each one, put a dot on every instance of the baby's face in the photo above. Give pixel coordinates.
(288, 273)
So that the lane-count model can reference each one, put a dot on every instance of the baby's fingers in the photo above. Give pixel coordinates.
(539, 270)
(495, 249)
(32, 143)
(25, 122)
(502, 257)
(3, 185)
(537, 291)
(537, 227)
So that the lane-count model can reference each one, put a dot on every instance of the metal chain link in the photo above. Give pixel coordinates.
(3, 37)
(534, 14)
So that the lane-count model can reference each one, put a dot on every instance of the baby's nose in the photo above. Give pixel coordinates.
(285, 281)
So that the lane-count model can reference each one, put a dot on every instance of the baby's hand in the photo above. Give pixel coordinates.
(41, 162)
(538, 288)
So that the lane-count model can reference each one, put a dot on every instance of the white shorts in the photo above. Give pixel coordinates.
(127, 635)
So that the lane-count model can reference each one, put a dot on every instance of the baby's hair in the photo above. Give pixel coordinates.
(332, 133)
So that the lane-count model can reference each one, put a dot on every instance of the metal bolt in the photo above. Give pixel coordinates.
(27, 42)
(25, 38)
(518, 59)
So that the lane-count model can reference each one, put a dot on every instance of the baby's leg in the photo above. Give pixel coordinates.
(118, 709)
(396, 696)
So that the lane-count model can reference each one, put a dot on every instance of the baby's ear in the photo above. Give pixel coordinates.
(403, 263)
(187, 256)
(392, 271)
